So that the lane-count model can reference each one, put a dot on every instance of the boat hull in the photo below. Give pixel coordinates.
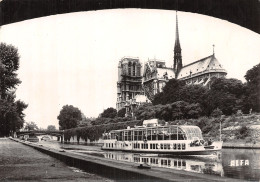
(205, 150)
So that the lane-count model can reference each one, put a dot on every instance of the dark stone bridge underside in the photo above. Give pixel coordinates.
(242, 12)
(40, 132)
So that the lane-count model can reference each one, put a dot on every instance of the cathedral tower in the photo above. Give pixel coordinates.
(177, 51)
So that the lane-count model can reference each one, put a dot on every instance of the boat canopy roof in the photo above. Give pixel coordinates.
(191, 132)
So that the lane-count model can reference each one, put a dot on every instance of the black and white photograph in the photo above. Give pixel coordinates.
(128, 90)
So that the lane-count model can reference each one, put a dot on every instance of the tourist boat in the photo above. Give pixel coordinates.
(166, 139)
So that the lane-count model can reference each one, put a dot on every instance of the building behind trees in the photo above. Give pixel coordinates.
(132, 83)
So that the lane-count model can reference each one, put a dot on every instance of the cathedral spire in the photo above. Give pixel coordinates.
(177, 50)
(177, 40)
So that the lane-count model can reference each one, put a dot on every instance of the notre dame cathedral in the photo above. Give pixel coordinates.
(134, 88)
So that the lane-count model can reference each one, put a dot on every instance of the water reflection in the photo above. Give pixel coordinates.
(205, 165)
(242, 163)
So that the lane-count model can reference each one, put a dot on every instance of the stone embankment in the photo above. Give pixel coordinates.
(22, 163)
(252, 141)
(120, 170)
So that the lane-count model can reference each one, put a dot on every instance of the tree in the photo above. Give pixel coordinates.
(225, 94)
(69, 117)
(169, 112)
(85, 121)
(109, 113)
(31, 126)
(121, 113)
(171, 92)
(252, 100)
(11, 111)
(216, 113)
(9, 64)
(51, 128)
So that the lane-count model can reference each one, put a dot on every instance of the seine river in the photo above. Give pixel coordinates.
(233, 163)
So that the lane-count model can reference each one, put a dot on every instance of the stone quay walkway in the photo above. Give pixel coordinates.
(23, 163)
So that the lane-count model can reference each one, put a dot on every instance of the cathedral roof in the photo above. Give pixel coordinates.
(160, 68)
(162, 72)
(207, 64)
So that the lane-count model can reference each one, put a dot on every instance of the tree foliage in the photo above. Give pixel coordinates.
(31, 126)
(225, 94)
(216, 113)
(171, 92)
(121, 113)
(51, 128)
(169, 112)
(95, 132)
(69, 117)
(229, 95)
(252, 98)
(176, 90)
(9, 64)
(11, 111)
(109, 113)
(85, 121)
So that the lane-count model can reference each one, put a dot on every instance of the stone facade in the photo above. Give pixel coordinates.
(129, 80)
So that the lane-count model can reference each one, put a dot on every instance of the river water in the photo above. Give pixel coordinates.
(233, 163)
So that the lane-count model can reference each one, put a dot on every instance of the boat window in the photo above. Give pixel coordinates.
(184, 164)
(125, 135)
(140, 135)
(117, 136)
(136, 135)
(154, 134)
(129, 136)
(161, 146)
(179, 164)
(120, 138)
(105, 136)
(175, 163)
(149, 134)
(160, 133)
(169, 162)
(113, 136)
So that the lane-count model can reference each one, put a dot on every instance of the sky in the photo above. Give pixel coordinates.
(72, 59)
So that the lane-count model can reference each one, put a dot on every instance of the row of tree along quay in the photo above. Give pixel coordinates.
(228, 101)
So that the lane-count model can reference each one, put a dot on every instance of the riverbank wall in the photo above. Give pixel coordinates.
(241, 145)
(120, 170)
